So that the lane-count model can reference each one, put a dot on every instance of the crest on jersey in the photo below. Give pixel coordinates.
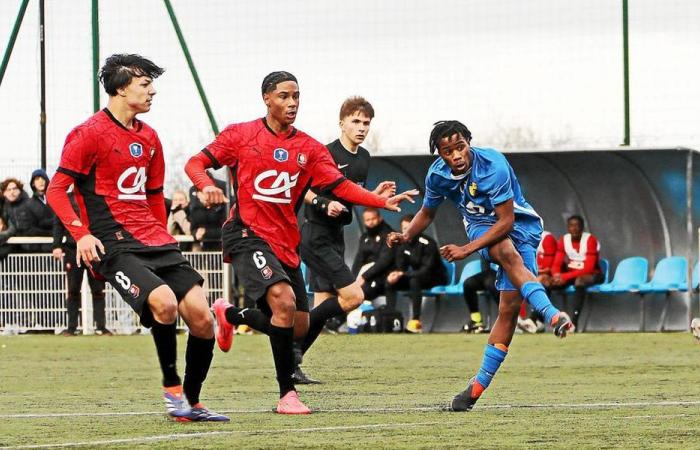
(472, 189)
(280, 155)
(135, 149)
(134, 291)
(301, 159)
(266, 272)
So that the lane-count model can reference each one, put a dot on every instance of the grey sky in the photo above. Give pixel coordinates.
(544, 73)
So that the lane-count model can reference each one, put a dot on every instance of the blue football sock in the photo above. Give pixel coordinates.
(534, 293)
(493, 357)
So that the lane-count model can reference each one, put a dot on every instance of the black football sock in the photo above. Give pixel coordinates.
(98, 312)
(197, 361)
(165, 338)
(317, 319)
(281, 341)
(252, 317)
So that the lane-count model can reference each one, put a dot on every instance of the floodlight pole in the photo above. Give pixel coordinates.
(626, 69)
(95, 55)
(190, 64)
(13, 39)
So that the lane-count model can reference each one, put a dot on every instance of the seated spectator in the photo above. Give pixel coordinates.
(418, 266)
(17, 211)
(370, 274)
(576, 263)
(206, 219)
(65, 248)
(179, 217)
(482, 281)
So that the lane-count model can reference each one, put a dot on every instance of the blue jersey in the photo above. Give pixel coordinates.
(489, 182)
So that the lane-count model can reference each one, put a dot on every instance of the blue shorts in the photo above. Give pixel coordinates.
(525, 242)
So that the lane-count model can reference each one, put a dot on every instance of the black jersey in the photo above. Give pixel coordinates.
(354, 167)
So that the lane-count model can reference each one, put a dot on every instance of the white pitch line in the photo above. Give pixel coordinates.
(163, 437)
(376, 410)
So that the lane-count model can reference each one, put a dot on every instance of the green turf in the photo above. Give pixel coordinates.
(413, 374)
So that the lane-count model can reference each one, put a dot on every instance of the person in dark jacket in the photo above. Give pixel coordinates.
(372, 245)
(418, 266)
(65, 248)
(41, 211)
(18, 212)
(206, 219)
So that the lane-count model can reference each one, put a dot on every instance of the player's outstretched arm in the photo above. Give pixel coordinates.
(385, 189)
(497, 232)
(423, 218)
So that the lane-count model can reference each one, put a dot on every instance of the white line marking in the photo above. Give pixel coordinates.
(376, 410)
(163, 437)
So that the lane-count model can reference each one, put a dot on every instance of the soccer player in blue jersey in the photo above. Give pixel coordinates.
(501, 226)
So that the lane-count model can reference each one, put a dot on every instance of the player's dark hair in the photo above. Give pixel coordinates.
(444, 129)
(407, 218)
(579, 218)
(119, 69)
(271, 81)
(356, 104)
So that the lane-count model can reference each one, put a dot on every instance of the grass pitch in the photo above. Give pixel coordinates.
(380, 391)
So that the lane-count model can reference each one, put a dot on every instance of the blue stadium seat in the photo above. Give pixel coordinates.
(671, 274)
(630, 274)
(439, 290)
(307, 285)
(471, 268)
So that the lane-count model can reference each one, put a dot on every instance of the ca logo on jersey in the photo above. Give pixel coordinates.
(280, 155)
(279, 191)
(137, 189)
(136, 150)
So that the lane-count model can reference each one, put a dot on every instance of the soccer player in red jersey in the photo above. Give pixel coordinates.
(272, 165)
(116, 165)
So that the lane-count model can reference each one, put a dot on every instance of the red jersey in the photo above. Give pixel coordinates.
(576, 258)
(270, 175)
(117, 173)
(546, 251)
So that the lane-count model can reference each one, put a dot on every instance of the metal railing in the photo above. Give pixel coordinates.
(33, 291)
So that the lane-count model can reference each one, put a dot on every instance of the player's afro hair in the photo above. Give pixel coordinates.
(271, 81)
(446, 128)
(119, 69)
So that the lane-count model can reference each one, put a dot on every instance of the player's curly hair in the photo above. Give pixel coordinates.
(446, 128)
(271, 81)
(119, 69)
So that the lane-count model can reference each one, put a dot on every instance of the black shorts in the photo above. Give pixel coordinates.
(135, 275)
(257, 267)
(323, 250)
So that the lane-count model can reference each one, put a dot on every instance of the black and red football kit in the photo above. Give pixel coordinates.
(118, 176)
(270, 175)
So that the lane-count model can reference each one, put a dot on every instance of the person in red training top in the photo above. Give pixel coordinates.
(272, 165)
(576, 262)
(546, 251)
(116, 165)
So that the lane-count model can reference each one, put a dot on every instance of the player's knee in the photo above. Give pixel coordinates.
(280, 297)
(202, 326)
(163, 305)
(509, 307)
(352, 297)
(509, 259)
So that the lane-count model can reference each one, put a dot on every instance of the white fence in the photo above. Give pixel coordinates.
(33, 294)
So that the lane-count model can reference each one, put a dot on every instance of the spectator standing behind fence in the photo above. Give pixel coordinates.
(41, 211)
(64, 249)
(370, 266)
(6, 232)
(206, 219)
(418, 266)
(17, 212)
(576, 263)
(179, 217)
